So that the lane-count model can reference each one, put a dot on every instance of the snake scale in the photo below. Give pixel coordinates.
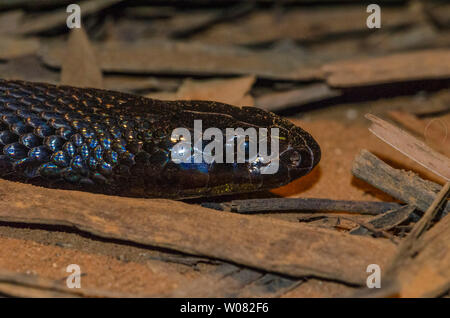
(119, 144)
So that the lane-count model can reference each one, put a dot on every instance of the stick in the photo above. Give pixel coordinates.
(386, 220)
(302, 204)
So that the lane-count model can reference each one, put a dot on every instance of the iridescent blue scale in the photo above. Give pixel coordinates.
(78, 163)
(92, 142)
(61, 158)
(35, 121)
(58, 123)
(87, 132)
(99, 178)
(111, 157)
(40, 153)
(5, 111)
(77, 140)
(78, 125)
(15, 150)
(64, 133)
(70, 175)
(69, 148)
(25, 113)
(26, 167)
(39, 108)
(84, 151)
(119, 146)
(54, 143)
(92, 162)
(44, 130)
(51, 115)
(105, 142)
(11, 119)
(30, 140)
(20, 128)
(116, 132)
(105, 168)
(98, 153)
(49, 170)
(13, 106)
(7, 137)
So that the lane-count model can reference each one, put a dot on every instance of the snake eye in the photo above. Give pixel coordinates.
(295, 158)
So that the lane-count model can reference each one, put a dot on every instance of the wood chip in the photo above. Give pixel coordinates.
(298, 24)
(422, 264)
(168, 57)
(21, 285)
(435, 131)
(57, 18)
(410, 146)
(10, 20)
(387, 220)
(405, 186)
(276, 246)
(229, 91)
(297, 97)
(420, 65)
(126, 83)
(16, 47)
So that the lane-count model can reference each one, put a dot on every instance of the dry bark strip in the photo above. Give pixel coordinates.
(407, 247)
(269, 285)
(171, 57)
(225, 281)
(410, 146)
(265, 26)
(440, 139)
(21, 285)
(421, 267)
(10, 20)
(16, 47)
(270, 245)
(80, 68)
(386, 220)
(280, 100)
(405, 186)
(420, 65)
(57, 18)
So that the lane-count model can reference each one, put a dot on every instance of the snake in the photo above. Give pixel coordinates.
(117, 143)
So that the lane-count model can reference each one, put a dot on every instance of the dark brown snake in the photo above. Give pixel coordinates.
(115, 143)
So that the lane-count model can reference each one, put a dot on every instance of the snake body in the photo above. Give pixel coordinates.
(116, 143)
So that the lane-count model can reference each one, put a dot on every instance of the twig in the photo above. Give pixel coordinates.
(304, 204)
(387, 220)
